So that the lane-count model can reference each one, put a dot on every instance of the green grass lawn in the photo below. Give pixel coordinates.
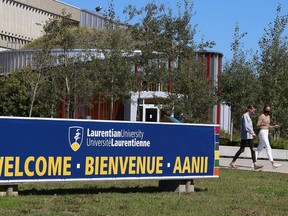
(235, 192)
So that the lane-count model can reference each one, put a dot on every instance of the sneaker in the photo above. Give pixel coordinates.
(257, 167)
(232, 165)
(276, 165)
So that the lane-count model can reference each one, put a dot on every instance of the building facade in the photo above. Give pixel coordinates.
(22, 20)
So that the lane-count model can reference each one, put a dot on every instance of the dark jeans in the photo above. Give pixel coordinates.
(245, 143)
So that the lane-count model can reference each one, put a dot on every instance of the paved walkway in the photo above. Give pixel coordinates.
(245, 164)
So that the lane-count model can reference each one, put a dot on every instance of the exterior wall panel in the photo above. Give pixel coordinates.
(16, 31)
(92, 19)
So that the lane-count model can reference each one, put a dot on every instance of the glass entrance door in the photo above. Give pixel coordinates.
(150, 113)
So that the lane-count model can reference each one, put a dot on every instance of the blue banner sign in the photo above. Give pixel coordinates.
(39, 149)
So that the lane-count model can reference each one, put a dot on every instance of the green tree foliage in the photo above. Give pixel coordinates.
(193, 94)
(58, 32)
(83, 37)
(29, 86)
(13, 97)
(239, 85)
(114, 69)
(272, 68)
(261, 80)
(69, 79)
(147, 36)
(103, 73)
(169, 55)
(36, 76)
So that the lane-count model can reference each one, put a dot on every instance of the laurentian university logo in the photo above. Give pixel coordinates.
(75, 137)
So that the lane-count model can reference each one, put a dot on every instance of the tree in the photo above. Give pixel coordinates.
(192, 95)
(36, 76)
(192, 91)
(67, 79)
(165, 40)
(150, 60)
(31, 87)
(115, 72)
(13, 97)
(57, 32)
(239, 83)
(272, 65)
(73, 80)
(147, 36)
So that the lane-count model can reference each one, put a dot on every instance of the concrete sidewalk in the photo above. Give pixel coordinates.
(245, 164)
(229, 151)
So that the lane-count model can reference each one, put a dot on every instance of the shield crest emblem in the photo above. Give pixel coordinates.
(75, 136)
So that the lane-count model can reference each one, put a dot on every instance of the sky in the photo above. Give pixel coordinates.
(215, 19)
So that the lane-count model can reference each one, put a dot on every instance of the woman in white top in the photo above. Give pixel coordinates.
(264, 125)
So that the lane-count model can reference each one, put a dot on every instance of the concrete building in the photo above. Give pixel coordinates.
(22, 20)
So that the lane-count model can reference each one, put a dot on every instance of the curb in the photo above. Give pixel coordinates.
(229, 151)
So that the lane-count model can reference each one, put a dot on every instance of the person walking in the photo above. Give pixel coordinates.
(247, 135)
(264, 125)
